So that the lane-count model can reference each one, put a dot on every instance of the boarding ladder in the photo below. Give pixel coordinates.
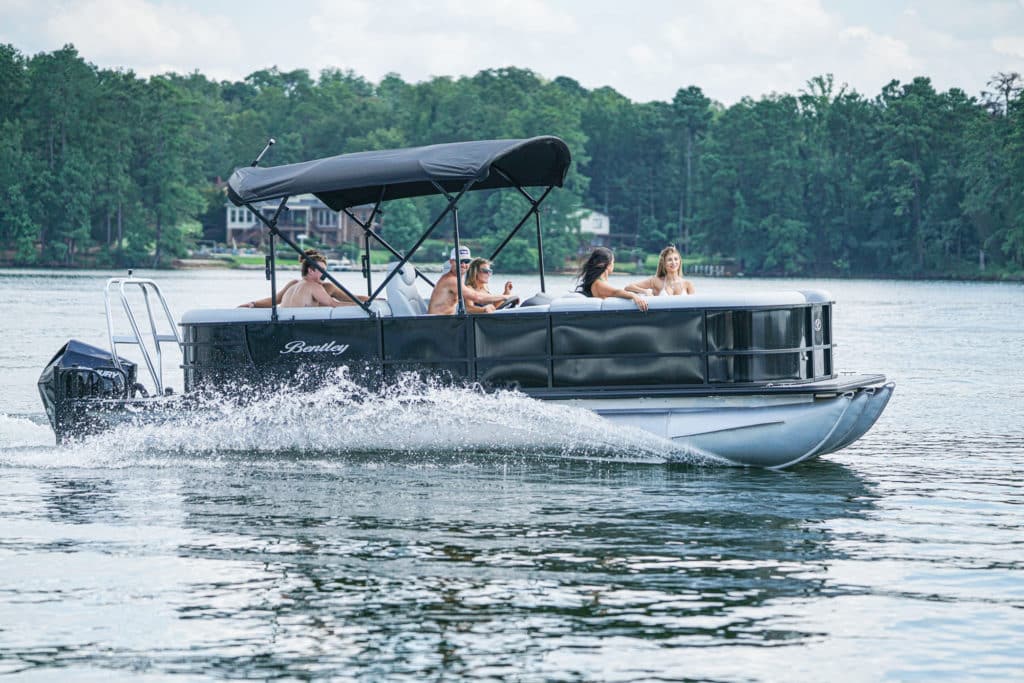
(156, 338)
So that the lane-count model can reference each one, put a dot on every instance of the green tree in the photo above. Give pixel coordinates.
(102, 166)
(58, 109)
(13, 82)
(993, 173)
(692, 119)
(167, 168)
(17, 229)
(403, 223)
(837, 125)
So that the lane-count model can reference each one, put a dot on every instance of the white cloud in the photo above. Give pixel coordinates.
(9, 7)
(413, 44)
(875, 59)
(17, 20)
(643, 56)
(147, 37)
(645, 50)
(532, 16)
(1011, 46)
(756, 48)
(734, 31)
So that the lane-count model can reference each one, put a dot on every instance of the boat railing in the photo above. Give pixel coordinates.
(573, 344)
(156, 339)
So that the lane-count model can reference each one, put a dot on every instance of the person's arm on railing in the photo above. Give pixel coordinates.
(265, 301)
(604, 290)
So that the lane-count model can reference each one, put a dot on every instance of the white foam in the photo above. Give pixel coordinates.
(21, 432)
(341, 419)
(410, 416)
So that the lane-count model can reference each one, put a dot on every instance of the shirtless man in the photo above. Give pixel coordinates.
(309, 292)
(341, 299)
(445, 298)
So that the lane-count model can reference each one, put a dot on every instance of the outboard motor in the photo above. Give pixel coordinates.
(82, 371)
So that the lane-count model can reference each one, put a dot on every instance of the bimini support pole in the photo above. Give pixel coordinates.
(366, 263)
(367, 228)
(520, 224)
(535, 210)
(273, 254)
(460, 309)
(540, 251)
(272, 227)
(452, 201)
(274, 232)
(271, 268)
(270, 265)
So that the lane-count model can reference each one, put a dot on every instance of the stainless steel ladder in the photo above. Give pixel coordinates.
(135, 338)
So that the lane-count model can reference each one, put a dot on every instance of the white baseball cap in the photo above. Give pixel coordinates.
(463, 253)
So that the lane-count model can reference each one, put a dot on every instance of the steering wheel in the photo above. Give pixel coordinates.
(510, 302)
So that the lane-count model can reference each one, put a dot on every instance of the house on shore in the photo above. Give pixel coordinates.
(595, 229)
(305, 217)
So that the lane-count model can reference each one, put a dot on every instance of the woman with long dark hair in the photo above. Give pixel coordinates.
(593, 277)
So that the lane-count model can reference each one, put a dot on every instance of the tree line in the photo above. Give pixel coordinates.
(102, 167)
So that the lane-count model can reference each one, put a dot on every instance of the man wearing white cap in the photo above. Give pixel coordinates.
(445, 298)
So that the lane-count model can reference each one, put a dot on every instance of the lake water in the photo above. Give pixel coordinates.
(494, 538)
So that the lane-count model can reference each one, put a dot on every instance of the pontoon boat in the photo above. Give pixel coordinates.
(747, 378)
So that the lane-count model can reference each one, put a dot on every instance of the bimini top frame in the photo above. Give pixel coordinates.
(451, 170)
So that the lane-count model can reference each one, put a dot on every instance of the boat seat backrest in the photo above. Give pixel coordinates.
(524, 310)
(403, 294)
(712, 300)
(538, 299)
(381, 308)
(570, 302)
(254, 315)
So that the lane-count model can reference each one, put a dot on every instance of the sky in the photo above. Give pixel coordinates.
(644, 49)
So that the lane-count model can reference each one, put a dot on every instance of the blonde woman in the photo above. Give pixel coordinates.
(478, 277)
(667, 280)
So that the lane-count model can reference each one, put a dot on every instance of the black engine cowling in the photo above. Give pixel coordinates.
(82, 371)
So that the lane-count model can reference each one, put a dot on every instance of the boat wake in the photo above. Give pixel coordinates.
(21, 432)
(341, 418)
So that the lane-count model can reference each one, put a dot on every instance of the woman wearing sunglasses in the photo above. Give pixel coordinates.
(478, 277)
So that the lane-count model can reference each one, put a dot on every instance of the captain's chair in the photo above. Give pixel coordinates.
(403, 295)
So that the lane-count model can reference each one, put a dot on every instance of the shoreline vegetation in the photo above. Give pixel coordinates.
(100, 168)
(214, 264)
(187, 264)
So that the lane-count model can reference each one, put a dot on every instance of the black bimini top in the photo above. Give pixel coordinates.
(366, 177)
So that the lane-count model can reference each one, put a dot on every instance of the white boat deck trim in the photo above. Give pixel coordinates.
(569, 303)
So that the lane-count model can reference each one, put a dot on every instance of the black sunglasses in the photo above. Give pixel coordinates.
(465, 260)
(486, 270)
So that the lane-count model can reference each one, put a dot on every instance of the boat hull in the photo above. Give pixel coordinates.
(748, 380)
(756, 430)
(760, 431)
